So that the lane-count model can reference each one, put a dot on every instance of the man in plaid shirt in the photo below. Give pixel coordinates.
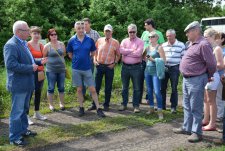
(93, 34)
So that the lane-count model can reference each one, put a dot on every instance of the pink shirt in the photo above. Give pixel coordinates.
(132, 50)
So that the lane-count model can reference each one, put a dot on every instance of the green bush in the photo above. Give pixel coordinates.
(61, 14)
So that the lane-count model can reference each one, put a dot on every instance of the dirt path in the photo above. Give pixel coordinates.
(158, 137)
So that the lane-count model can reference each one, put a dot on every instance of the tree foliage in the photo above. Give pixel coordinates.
(61, 14)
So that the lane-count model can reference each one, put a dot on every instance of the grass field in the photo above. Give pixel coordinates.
(70, 94)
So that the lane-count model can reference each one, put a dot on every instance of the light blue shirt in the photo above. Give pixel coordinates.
(24, 43)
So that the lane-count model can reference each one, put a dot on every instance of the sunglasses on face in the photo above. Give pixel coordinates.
(151, 36)
(53, 34)
(132, 32)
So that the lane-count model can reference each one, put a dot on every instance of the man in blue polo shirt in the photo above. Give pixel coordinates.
(79, 49)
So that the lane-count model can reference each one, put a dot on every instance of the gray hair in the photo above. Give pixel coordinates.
(17, 25)
(172, 31)
(78, 23)
(132, 26)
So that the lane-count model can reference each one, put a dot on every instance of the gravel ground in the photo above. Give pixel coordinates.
(159, 137)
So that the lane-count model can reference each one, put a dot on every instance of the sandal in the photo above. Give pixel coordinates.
(209, 129)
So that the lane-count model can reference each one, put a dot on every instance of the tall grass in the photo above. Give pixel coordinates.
(5, 97)
(70, 93)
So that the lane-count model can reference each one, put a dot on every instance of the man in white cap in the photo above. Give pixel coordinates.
(106, 57)
(197, 67)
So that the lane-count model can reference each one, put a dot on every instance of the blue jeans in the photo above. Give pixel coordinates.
(54, 78)
(142, 79)
(224, 124)
(171, 74)
(18, 123)
(153, 83)
(109, 74)
(134, 73)
(193, 97)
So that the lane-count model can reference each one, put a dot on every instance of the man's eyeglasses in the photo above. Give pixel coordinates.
(53, 34)
(26, 30)
(151, 36)
(132, 32)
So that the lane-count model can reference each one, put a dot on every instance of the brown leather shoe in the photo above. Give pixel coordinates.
(194, 138)
(181, 131)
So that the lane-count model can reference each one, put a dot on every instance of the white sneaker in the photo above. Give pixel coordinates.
(29, 120)
(38, 116)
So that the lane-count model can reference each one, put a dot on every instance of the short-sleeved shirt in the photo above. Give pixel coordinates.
(81, 52)
(173, 52)
(198, 59)
(107, 50)
(145, 38)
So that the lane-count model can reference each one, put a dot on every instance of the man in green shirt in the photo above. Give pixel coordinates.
(150, 26)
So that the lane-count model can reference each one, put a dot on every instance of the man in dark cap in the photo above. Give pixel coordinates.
(197, 67)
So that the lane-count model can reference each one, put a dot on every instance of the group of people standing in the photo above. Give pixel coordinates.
(148, 58)
(202, 67)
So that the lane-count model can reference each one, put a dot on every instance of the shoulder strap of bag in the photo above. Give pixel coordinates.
(59, 56)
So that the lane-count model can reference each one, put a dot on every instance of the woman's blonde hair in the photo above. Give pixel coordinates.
(153, 33)
(212, 33)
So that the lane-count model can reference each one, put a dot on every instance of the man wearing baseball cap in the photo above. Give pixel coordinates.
(197, 67)
(106, 57)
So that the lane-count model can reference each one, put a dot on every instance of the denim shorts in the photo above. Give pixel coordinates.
(86, 76)
(213, 85)
(54, 78)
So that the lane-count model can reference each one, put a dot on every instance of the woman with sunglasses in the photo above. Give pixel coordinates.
(210, 109)
(153, 51)
(36, 49)
(55, 67)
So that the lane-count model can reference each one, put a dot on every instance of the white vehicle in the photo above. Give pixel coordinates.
(217, 23)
